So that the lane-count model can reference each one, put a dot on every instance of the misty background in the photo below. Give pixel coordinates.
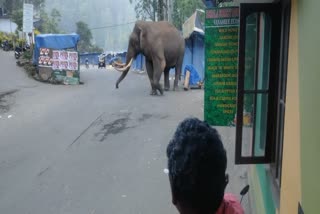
(110, 22)
(103, 25)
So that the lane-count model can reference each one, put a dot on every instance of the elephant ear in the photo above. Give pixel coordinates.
(142, 37)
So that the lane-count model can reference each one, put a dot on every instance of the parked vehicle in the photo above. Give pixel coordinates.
(5, 45)
(18, 51)
(101, 64)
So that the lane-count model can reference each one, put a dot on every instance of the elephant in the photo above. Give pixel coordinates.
(163, 47)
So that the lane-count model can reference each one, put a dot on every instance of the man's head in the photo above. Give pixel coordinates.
(197, 163)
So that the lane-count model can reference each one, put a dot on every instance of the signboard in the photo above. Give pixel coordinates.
(221, 54)
(27, 18)
(59, 65)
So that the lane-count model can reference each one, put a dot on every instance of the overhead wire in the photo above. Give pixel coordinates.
(111, 26)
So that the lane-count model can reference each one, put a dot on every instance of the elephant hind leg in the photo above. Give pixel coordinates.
(166, 79)
(158, 66)
(149, 68)
(177, 74)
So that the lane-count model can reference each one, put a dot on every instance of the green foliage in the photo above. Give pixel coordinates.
(17, 17)
(85, 44)
(150, 9)
(145, 9)
(13, 5)
(84, 32)
(110, 27)
(88, 47)
(27, 55)
(20, 42)
(155, 10)
(183, 9)
(30, 69)
(10, 37)
(50, 22)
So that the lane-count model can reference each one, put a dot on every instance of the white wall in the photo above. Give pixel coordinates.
(7, 26)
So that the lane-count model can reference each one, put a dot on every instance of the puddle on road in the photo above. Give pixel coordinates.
(144, 117)
(5, 104)
(114, 124)
(115, 127)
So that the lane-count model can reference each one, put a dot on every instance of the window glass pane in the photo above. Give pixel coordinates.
(261, 124)
(264, 51)
(250, 51)
(247, 128)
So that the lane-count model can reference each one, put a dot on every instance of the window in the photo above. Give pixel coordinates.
(262, 69)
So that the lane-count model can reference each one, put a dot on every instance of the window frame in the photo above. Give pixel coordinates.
(276, 167)
(274, 10)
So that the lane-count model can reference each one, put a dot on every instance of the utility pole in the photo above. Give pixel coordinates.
(160, 10)
(169, 10)
(166, 10)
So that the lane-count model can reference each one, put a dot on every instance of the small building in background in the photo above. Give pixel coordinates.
(6, 25)
(193, 33)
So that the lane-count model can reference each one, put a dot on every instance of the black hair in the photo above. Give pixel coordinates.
(197, 164)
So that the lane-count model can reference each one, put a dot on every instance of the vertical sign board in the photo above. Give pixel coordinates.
(27, 18)
(221, 54)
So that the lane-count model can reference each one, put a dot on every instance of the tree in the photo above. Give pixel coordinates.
(85, 44)
(145, 9)
(84, 32)
(160, 10)
(14, 5)
(49, 24)
(17, 17)
(183, 9)
(150, 9)
(157, 10)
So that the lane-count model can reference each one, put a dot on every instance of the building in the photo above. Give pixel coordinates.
(278, 78)
(6, 25)
(193, 33)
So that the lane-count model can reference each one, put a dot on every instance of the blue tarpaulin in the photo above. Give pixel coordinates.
(138, 63)
(194, 76)
(54, 41)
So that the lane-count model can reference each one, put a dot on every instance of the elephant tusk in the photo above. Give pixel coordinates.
(124, 68)
(117, 64)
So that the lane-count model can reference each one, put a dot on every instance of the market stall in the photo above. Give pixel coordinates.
(57, 58)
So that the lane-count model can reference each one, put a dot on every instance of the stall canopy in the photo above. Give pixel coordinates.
(193, 24)
(54, 41)
(193, 33)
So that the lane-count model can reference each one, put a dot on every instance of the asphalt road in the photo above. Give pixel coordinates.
(91, 148)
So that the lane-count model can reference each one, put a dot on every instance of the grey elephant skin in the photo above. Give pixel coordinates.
(163, 47)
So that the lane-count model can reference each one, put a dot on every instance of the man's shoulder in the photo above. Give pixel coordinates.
(230, 205)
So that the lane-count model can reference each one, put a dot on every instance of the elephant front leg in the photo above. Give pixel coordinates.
(166, 79)
(149, 68)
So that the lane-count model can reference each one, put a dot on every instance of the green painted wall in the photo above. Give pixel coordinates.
(265, 186)
(309, 74)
